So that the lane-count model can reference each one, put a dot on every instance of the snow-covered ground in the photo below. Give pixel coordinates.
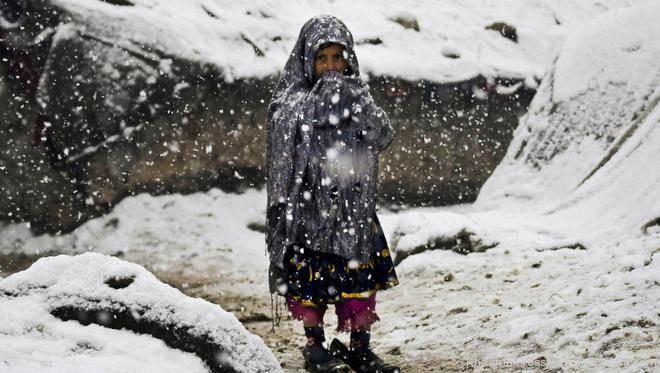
(571, 281)
(199, 233)
(208, 231)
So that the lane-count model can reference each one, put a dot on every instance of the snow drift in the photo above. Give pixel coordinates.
(568, 221)
(96, 289)
(587, 151)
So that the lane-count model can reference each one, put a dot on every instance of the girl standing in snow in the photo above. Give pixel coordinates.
(324, 239)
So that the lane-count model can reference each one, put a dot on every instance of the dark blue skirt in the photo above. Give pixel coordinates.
(315, 278)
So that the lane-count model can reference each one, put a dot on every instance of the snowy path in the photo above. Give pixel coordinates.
(200, 272)
(253, 309)
(542, 308)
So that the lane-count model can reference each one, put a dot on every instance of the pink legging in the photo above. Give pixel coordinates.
(352, 314)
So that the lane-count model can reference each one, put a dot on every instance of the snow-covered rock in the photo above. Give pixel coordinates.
(96, 289)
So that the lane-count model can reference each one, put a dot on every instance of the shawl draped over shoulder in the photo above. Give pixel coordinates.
(323, 140)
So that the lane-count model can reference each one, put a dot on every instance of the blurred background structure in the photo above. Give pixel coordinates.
(102, 99)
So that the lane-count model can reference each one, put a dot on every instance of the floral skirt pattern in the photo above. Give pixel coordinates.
(315, 278)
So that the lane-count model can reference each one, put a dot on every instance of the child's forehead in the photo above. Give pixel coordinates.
(330, 47)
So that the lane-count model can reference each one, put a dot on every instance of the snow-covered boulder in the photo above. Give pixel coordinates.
(160, 327)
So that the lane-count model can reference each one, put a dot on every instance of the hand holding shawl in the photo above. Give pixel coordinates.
(345, 100)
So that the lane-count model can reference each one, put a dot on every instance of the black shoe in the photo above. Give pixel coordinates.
(361, 361)
(319, 359)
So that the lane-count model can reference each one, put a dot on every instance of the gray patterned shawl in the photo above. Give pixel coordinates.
(323, 140)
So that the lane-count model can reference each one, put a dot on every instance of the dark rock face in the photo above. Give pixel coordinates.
(450, 137)
(506, 30)
(119, 316)
(110, 119)
(31, 188)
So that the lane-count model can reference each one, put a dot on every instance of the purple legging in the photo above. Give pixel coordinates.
(352, 314)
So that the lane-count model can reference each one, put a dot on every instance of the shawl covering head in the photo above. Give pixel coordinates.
(323, 139)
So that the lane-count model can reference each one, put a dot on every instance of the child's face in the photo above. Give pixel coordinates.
(329, 58)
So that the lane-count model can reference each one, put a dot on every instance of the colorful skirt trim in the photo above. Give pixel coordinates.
(317, 279)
